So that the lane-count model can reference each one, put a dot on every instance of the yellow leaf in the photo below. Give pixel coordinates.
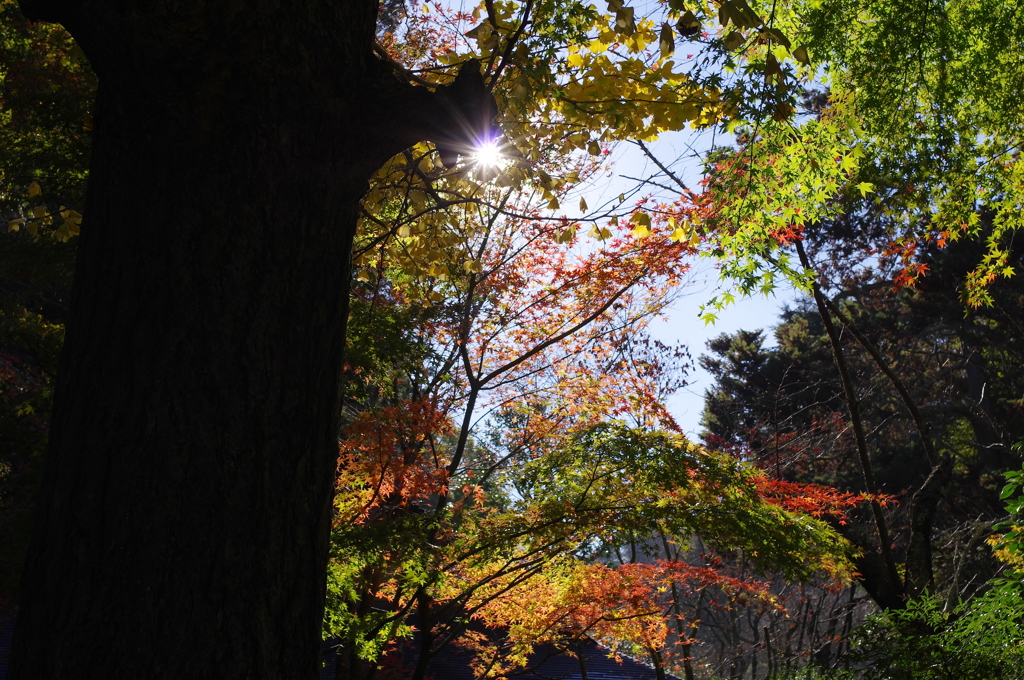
(594, 149)
(15, 225)
(800, 54)
(34, 189)
(553, 204)
(625, 22)
(33, 227)
(733, 40)
(741, 14)
(776, 35)
(40, 211)
(642, 222)
(688, 25)
(417, 198)
(71, 216)
(583, 204)
(771, 69)
(575, 60)
(640, 231)
(783, 111)
(666, 41)
(482, 30)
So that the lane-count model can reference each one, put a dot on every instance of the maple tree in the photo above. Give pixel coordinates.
(885, 164)
(541, 342)
(820, 161)
(784, 407)
(909, 125)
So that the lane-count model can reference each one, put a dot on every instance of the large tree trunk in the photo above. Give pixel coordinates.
(183, 526)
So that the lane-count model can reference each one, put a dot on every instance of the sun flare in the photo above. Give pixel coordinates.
(488, 155)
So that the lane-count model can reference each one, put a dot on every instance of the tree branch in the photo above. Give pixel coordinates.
(858, 428)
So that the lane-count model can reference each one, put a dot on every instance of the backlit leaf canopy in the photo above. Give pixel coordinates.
(923, 101)
(643, 483)
(937, 85)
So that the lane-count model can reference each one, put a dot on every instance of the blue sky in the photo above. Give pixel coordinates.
(683, 325)
(681, 152)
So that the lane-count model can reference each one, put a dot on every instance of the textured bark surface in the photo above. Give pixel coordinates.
(183, 526)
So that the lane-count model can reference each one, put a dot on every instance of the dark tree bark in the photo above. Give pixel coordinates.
(923, 507)
(183, 524)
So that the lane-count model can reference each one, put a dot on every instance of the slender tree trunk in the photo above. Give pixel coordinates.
(895, 585)
(923, 507)
(659, 663)
(426, 637)
(844, 645)
(581, 656)
(183, 525)
(925, 501)
(346, 664)
(979, 388)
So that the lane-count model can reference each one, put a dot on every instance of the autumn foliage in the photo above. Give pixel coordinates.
(493, 477)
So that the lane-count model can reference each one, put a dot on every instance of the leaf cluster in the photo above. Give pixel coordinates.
(981, 639)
